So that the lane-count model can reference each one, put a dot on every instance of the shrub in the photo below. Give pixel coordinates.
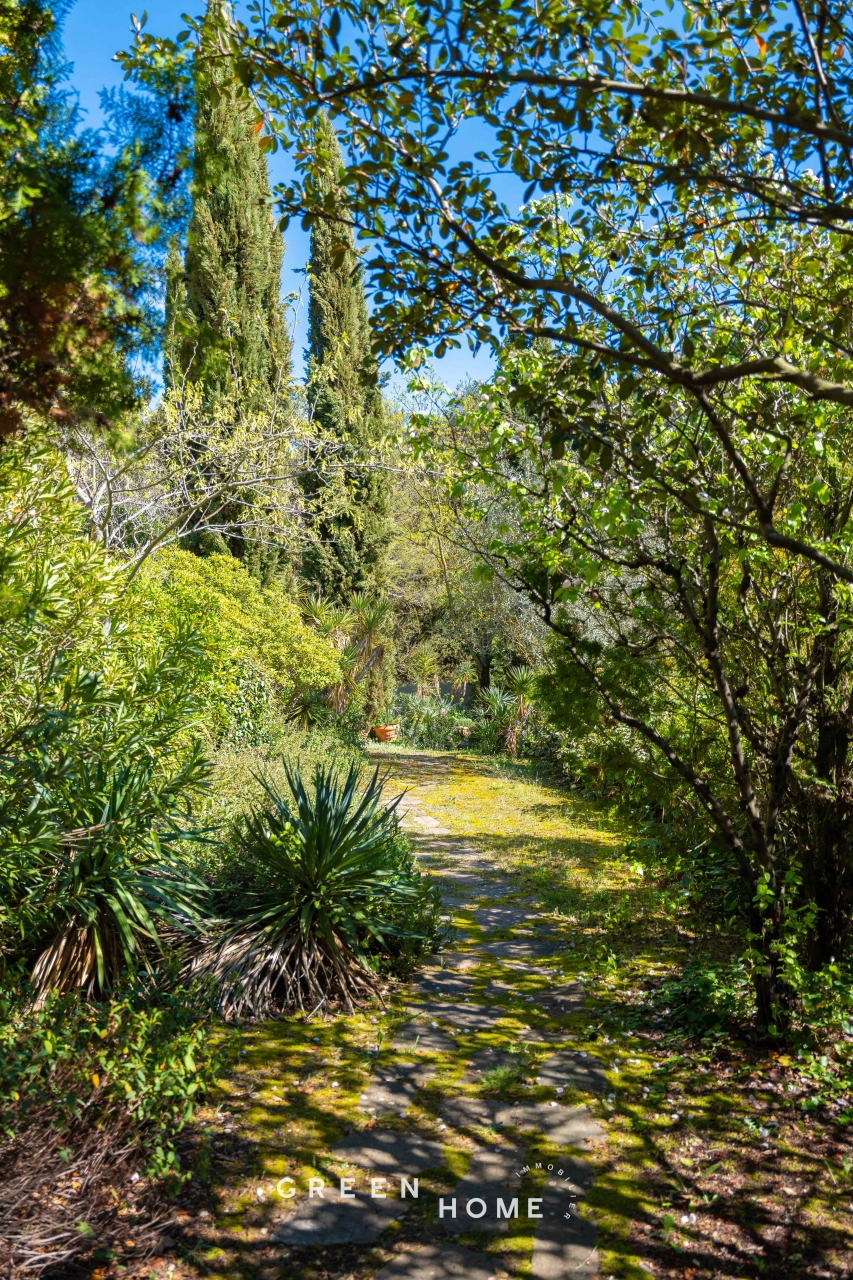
(256, 655)
(326, 893)
(99, 765)
(137, 1062)
(432, 722)
(90, 1098)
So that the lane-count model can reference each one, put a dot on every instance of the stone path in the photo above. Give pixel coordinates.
(517, 1104)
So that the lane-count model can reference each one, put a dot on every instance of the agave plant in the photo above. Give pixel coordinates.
(332, 884)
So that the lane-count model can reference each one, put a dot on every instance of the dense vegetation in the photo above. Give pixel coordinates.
(626, 556)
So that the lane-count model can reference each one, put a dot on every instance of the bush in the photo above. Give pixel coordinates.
(92, 1097)
(99, 764)
(432, 722)
(325, 891)
(138, 1063)
(256, 655)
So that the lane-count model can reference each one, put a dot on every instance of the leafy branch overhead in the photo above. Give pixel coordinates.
(630, 139)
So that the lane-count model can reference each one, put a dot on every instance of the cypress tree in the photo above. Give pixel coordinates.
(347, 555)
(226, 313)
(224, 317)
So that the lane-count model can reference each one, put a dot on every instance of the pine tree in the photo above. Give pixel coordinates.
(347, 555)
(225, 323)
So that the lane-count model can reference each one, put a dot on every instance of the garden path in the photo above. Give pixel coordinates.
(518, 1075)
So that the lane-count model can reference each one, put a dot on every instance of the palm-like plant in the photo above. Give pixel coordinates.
(464, 675)
(423, 664)
(330, 620)
(93, 790)
(521, 683)
(333, 884)
(496, 703)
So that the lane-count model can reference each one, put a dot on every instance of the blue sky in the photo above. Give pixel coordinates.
(96, 29)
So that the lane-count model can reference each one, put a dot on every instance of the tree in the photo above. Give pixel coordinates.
(348, 553)
(71, 278)
(631, 132)
(676, 462)
(225, 322)
(729, 659)
(204, 475)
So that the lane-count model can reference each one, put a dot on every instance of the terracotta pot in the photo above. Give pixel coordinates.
(386, 732)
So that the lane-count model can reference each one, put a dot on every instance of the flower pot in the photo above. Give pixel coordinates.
(386, 732)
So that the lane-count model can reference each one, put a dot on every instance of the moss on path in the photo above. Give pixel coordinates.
(711, 1164)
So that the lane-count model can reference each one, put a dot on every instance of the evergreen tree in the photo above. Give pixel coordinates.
(225, 323)
(347, 555)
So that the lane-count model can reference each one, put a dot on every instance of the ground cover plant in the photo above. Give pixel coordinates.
(93, 1098)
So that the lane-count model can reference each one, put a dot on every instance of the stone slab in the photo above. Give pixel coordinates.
(446, 983)
(468, 883)
(568, 1126)
(521, 948)
(501, 989)
(461, 961)
(485, 1060)
(532, 1035)
(491, 1175)
(390, 1152)
(564, 1246)
(570, 1181)
(571, 1068)
(417, 1038)
(334, 1221)
(462, 1112)
(502, 916)
(392, 1088)
(387, 1095)
(439, 1262)
(470, 1016)
(567, 997)
(419, 1072)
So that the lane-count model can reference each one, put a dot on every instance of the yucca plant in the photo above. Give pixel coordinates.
(333, 887)
(107, 889)
(521, 683)
(98, 775)
(464, 675)
(423, 665)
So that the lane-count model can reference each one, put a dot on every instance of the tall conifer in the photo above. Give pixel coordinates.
(225, 323)
(348, 553)
(226, 314)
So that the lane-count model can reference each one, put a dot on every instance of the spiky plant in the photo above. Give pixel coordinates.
(332, 883)
(463, 675)
(106, 888)
(521, 683)
(423, 665)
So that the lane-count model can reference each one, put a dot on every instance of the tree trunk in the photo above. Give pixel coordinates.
(483, 663)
